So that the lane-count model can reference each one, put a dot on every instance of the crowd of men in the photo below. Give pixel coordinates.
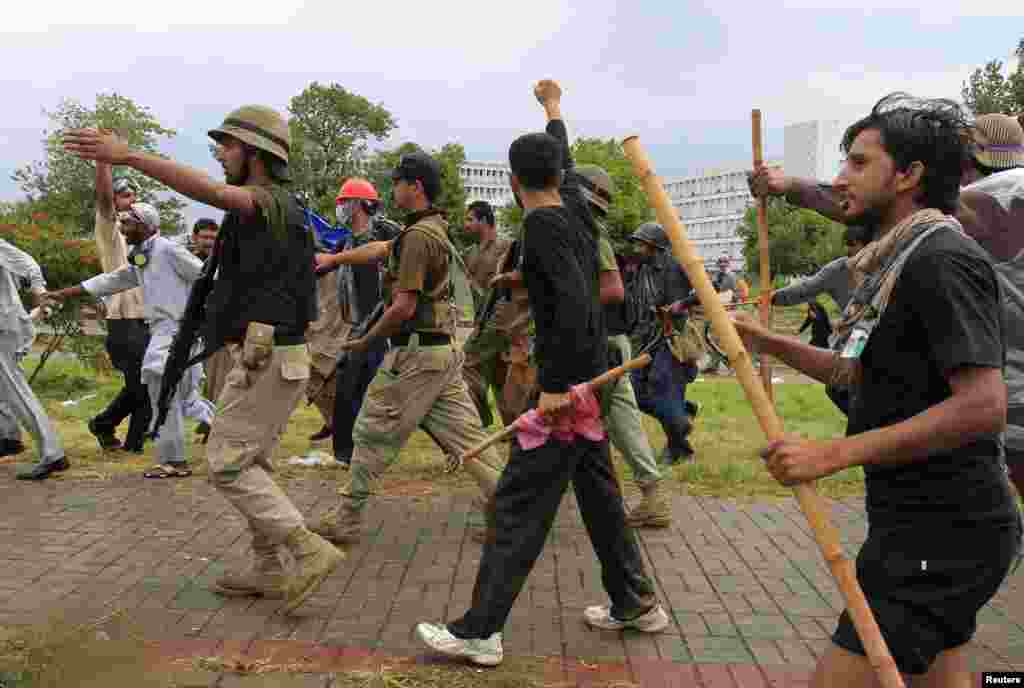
(921, 361)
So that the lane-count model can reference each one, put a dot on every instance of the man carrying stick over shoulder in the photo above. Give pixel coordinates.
(920, 350)
(559, 268)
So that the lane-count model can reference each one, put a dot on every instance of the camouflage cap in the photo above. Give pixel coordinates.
(259, 126)
(598, 186)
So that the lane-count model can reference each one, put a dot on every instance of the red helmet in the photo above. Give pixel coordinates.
(357, 187)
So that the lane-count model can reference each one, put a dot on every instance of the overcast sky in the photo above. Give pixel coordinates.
(684, 76)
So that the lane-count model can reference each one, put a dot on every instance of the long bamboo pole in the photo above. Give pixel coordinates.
(825, 532)
(604, 378)
(762, 239)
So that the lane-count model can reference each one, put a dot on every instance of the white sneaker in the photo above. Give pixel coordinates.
(485, 652)
(654, 621)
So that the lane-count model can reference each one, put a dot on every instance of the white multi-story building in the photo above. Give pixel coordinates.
(487, 181)
(811, 149)
(712, 205)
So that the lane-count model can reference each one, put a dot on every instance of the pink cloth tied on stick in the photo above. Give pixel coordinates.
(533, 429)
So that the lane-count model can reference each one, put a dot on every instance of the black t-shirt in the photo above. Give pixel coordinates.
(560, 271)
(944, 314)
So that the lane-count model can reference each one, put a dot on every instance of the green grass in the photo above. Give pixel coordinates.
(726, 437)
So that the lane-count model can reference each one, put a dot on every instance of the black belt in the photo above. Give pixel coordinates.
(426, 339)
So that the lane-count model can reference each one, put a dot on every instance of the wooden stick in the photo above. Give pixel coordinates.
(762, 239)
(604, 378)
(825, 532)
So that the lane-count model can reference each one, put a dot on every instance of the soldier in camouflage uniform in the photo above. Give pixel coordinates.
(485, 368)
(420, 379)
(261, 303)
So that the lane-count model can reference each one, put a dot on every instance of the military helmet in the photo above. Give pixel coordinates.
(597, 186)
(651, 233)
(259, 126)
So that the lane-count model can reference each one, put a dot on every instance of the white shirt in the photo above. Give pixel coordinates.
(166, 279)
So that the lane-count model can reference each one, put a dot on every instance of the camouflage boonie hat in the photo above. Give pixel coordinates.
(258, 126)
(598, 186)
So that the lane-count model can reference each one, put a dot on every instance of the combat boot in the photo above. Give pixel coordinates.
(265, 576)
(653, 510)
(340, 526)
(315, 559)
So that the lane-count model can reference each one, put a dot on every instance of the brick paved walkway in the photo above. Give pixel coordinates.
(752, 601)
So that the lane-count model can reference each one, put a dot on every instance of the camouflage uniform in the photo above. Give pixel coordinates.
(419, 381)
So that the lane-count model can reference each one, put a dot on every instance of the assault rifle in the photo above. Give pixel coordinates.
(180, 357)
(361, 330)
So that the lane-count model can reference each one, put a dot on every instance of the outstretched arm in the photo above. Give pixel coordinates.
(104, 146)
(805, 193)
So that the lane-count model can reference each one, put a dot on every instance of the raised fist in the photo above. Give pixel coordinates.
(547, 91)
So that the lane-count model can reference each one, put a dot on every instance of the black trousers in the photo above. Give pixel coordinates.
(126, 344)
(352, 378)
(527, 499)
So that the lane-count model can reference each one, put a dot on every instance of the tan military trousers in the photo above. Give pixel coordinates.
(416, 386)
(252, 412)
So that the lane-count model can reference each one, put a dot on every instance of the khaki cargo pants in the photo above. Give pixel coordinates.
(416, 386)
(252, 412)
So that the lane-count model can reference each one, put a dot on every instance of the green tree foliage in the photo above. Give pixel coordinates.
(66, 261)
(988, 91)
(330, 128)
(64, 187)
(629, 207)
(800, 240)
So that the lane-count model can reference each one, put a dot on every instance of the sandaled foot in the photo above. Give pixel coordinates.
(167, 470)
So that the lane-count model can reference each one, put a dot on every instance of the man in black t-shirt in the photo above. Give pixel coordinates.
(920, 350)
(560, 270)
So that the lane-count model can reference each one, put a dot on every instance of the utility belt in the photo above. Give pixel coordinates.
(423, 339)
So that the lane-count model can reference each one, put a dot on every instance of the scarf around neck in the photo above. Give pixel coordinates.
(875, 270)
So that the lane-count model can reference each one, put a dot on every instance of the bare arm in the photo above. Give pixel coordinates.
(104, 190)
(197, 185)
(809, 360)
(104, 146)
(976, 409)
(373, 252)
